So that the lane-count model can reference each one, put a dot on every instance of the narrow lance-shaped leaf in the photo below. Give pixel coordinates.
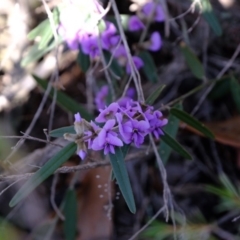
(171, 128)
(149, 67)
(70, 213)
(83, 60)
(65, 101)
(153, 97)
(235, 90)
(43, 173)
(192, 61)
(60, 131)
(124, 150)
(35, 53)
(171, 142)
(210, 17)
(228, 185)
(185, 117)
(121, 174)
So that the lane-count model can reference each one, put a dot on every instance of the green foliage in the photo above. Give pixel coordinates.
(210, 17)
(171, 142)
(192, 61)
(185, 117)
(83, 60)
(228, 193)
(43, 173)
(171, 128)
(153, 97)
(235, 90)
(70, 213)
(61, 131)
(149, 67)
(65, 101)
(47, 42)
(121, 175)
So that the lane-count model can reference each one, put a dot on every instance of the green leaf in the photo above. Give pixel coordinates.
(228, 185)
(235, 90)
(218, 191)
(59, 132)
(192, 60)
(171, 142)
(125, 149)
(121, 174)
(220, 89)
(153, 97)
(185, 117)
(39, 30)
(83, 60)
(114, 66)
(171, 128)
(210, 17)
(70, 213)
(65, 101)
(149, 67)
(43, 173)
(35, 53)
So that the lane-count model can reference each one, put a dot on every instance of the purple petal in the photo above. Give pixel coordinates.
(109, 124)
(111, 149)
(158, 15)
(114, 141)
(138, 62)
(135, 24)
(82, 154)
(77, 117)
(155, 42)
(102, 137)
(106, 149)
(95, 145)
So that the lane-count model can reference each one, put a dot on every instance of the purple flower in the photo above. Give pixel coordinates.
(109, 37)
(157, 122)
(70, 37)
(107, 113)
(125, 128)
(107, 139)
(121, 55)
(158, 15)
(101, 96)
(135, 24)
(139, 131)
(155, 42)
(82, 154)
(90, 46)
(131, 92)
(138, 62)
(91, 134)
(77, 117)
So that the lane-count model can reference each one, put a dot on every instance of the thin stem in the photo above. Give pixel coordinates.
(134, 71)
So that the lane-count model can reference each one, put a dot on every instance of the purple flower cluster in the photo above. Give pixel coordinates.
(78, 27)
(102, 94)
(127, 123)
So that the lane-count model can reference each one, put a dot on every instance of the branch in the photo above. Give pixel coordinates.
(65, 169)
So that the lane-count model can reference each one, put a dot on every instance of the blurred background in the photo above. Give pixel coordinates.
(206, 190)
